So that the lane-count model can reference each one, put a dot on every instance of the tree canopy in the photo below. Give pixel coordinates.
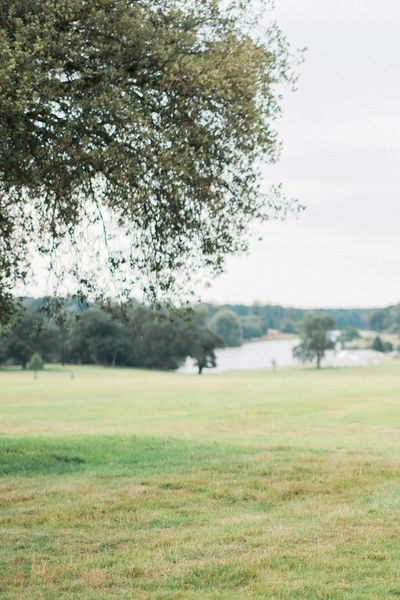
(36, 363)
(145, 338)
(315, 338)
(226, 324)
(138, 121)
(378, 320)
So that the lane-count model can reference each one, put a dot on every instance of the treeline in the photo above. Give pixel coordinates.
(142, 338)
(386, 319)
(150, 339)
(256, 320)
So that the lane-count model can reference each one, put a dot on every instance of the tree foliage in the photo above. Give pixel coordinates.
(36, 363)
(201, 341)
(286, 319)
(378, 320)
(28, 333)
(315, 338)
(96, 338)
(252, 327)
(144, 339)
(226, 324)
(380, 345)
(140, 121)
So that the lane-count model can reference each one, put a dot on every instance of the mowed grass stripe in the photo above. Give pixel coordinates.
(343, 407)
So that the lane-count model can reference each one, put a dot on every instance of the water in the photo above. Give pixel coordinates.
(259, 355)
(251, 356)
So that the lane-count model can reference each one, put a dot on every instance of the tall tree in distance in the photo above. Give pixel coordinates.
(140, 122)
(315, 336)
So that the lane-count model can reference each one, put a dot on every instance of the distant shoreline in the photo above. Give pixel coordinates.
(272, 338)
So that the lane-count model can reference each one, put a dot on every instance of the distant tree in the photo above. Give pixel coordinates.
(203, 350)
(252, 327)
(3, 347)
(377, 344)
(20, 338)
(388, 346)
(202, 345)
(97, 338)
(50, 341)
(392, 323)
(288, 327)
(29, 332)
(315, 338)
(226, 325)
(164, 341)
(396, 319)
(159, 345)
(380, 345)
(36, 363)
(155, 340)
(377, 320)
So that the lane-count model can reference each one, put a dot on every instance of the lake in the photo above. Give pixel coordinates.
(259, 355)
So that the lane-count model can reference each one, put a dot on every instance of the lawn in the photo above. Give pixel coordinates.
(132, 484)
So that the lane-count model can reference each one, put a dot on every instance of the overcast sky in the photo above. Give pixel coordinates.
(341, 159)
(341, 137)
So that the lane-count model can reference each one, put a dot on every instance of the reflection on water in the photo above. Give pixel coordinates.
(260, 355)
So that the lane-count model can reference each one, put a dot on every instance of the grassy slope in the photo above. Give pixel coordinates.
(127, 484)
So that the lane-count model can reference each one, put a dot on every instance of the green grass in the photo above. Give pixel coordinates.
(132, 484)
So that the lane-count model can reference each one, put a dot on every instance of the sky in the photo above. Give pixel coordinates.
(341, 159)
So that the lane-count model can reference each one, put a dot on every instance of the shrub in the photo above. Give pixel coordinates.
(36, 363)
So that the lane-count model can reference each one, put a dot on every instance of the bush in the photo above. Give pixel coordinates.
(387, 347)
(36, 363)
(377, 344)
(381, 346)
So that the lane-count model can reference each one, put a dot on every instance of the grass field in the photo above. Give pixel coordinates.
(131, 484)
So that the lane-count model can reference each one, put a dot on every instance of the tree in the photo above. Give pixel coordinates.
(98, 338)
(377, 320)
(226, 325)
(252, 327)
(140, 122)
(36, 364)
(3, 347)
(164, 340)
(388, 346)
(28, 333)
(202, 349)
(201, 342)
(154, 340)
(380, 346)
(315, 338)
(21, 336)
(288, 327)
